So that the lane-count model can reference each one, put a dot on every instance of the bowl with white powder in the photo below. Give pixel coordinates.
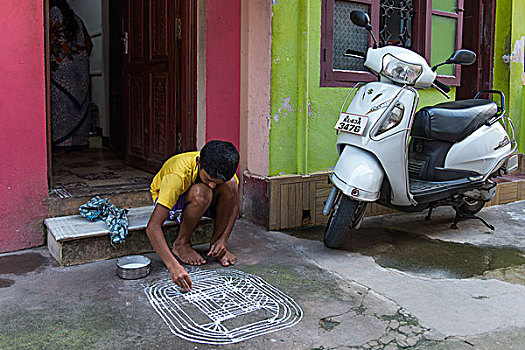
(133, 267)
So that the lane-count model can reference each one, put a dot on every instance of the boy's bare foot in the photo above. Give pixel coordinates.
(227, 259)
(187, 254)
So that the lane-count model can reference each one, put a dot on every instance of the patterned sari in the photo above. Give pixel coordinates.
(70, 118)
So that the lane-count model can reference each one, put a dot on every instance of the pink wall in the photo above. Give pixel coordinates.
(223, 69)
(255, 85)
(23, 159)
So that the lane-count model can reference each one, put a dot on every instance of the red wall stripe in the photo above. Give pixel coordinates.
(223, 70)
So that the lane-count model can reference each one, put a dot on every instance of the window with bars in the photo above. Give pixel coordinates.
(395, 23)
(432, 28)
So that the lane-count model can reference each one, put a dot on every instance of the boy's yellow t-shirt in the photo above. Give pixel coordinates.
(174, 178)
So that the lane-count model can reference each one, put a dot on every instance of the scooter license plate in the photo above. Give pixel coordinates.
(351, 123)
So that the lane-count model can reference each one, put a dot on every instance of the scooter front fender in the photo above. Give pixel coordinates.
(358, 174)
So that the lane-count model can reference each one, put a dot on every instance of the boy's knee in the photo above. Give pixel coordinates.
(230, 187)
(200, 195)
(228, 193)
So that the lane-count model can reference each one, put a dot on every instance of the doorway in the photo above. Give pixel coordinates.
(479, 19)
(142, 95)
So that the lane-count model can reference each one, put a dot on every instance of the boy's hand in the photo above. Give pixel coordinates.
(218, 249)
(180, 276)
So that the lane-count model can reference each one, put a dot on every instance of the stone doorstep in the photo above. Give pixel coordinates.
(73, 239)
(122, 198)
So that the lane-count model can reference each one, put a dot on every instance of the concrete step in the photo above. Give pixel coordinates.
(73, 239)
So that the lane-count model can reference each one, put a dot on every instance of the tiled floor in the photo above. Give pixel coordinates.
(94, 171)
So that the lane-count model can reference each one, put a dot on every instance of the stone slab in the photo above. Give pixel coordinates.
(73, 239)
(98, 247)
(62, 204)
(76, 226)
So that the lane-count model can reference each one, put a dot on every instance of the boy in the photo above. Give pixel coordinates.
(190, 185)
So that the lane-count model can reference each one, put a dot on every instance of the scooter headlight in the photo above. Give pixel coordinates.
(393, 118)
(400, 71)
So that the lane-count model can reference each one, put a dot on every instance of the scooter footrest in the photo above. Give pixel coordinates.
(421, 186)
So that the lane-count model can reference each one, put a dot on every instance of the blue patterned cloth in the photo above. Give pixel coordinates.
(101, 209)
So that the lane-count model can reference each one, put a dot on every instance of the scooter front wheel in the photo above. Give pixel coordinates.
(345, 217)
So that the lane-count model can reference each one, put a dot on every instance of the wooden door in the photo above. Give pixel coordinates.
(117, 136)
(155, 98)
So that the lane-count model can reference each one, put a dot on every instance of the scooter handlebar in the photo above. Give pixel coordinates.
(354, 54)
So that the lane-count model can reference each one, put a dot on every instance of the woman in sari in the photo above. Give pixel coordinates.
(70, 49)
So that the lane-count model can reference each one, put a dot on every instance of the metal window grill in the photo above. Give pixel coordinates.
(395, 28)
(395, 24)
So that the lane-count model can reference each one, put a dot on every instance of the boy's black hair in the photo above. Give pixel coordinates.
(219, 159)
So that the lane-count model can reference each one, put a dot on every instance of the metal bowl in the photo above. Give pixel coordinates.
(133, 267)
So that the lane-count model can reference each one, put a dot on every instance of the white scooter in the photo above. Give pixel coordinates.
(445, 154)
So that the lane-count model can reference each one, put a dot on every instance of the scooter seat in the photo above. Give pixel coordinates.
(452, 121)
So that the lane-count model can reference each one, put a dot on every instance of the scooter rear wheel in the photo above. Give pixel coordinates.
(346, 215)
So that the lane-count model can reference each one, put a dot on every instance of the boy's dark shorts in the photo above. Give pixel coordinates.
(175, 213)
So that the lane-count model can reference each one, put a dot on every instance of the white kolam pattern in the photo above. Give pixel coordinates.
(225, 306)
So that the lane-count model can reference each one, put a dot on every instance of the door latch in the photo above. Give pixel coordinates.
(124, 41)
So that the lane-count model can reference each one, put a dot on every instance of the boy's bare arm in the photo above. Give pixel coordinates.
(154, 231)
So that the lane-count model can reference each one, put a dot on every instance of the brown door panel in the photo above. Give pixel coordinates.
(151, 111)
(135, 25)
(160, 35)
(157, 91)
(161, 122)
(136, 113)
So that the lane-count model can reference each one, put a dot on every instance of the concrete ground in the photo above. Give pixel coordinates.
(399, 282)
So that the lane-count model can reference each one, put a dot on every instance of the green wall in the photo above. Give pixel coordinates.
(509, 76)
(302, 138)
(502, 46)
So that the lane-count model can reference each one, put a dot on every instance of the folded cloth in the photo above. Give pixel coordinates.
(101, 209)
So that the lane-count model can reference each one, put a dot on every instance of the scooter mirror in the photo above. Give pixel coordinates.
(360, 18)
(464, 57)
